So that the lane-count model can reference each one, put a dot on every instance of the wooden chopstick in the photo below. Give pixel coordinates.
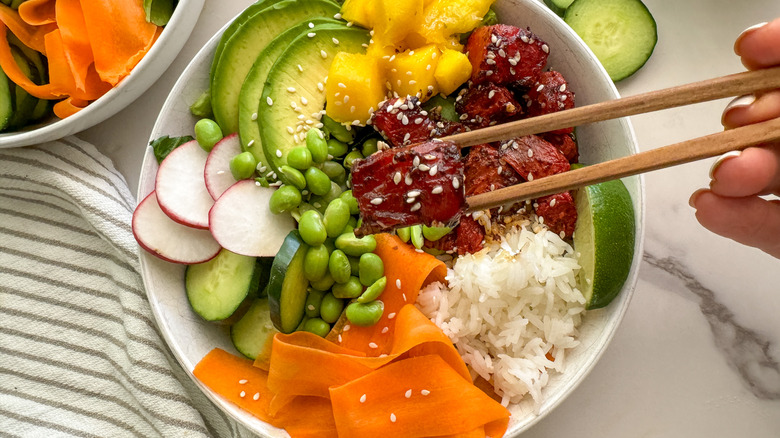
(696, 92)
(667, 156)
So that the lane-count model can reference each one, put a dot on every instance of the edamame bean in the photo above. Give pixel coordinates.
(313, 303)
(331, 308)
(417, 236)
(312, 229)
(324, 284)
(338, 266)
(334, 170)
(370, 146)
(299, 158)
(317, 181)
(336, 217)
(404, 233)
(435, 233)
(337, 148)
(365, 314)
(242, 166)
(353, 246)
(317, 145)
(285, 198)
(354, 265)
(370, 269)
(208, 133)
(351, 223)
(351, 289)
(336, 129)
(325, 200)
(317, 326)
(349, 160)
(315, 263)
(351, 201)
(372, 292)
(292, 176)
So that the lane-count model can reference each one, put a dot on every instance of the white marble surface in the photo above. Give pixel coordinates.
(698, 353)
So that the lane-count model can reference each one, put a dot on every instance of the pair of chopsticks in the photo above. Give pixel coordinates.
(667, 156)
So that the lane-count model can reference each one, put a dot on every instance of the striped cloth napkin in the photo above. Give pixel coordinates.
(80, 353)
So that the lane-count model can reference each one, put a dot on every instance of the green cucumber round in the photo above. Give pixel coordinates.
(287, 287)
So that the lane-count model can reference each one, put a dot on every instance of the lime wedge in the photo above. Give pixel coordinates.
(604, 238)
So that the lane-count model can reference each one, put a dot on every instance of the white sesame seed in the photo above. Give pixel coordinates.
(346, 328)
(416, 161)
(437, 190)
(373, 345)
(392, 418)
(324, 54)
(530, 177)
(320, 86)
(408, 393)
(363, 398)
(513, 61)
(563, 97)
(304, 100)
(404, 295)
(398, 283)
(242, 381)
(278, 153)
(407, 137)
(335, 41)
(562, 88)
(433, 170)
(416, 207)
(408, 179)
(491, 94)
(412, 82)
(254, 116)
(552, 202)
(290, 130)
(311, 34)
(545, 48)
(242, 394)
(341, 85)
(391, 316)
(311, 25)
(413, 193)
(339, 338)
(425, 392)
(397, 178)
(220, 172)
(385, 329)
(269, 101)
(291, 89)
(530, 153)
(376, 201)
(346, 98)
(404, 120)
(424, 167)
(540, 88)
(455, 183)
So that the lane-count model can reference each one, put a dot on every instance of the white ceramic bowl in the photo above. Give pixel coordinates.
(190, 338)
(146, 73)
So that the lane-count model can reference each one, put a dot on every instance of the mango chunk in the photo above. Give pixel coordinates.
(444, 18)
(356, 84)
(452, 71)
(411, 73)
(394, 19)
(360, 12)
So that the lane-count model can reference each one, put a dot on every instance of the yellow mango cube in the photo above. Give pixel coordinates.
(453, 70)
(356, 85)
(444, 18)
(360, 12)
(411, 73)
(394, 19)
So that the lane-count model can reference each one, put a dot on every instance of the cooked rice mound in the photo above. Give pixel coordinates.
(510, 308)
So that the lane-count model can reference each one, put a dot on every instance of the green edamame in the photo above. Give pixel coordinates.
(324, 284)
(325, 200)
(313, 303)
(337, 130)
(370, 269)
(349, 160)
(351, 289)
(435, 233)
(351, 202)
(337, 148)
(299, 158)
(334, 170)
(370, 146)
(317, 145)
(365, 314)
(338, 266)
(354, 265)
(417, 236)
(352, 223)
(242, 166)
(331, 308)
(315, 262)
(404, 233)
(353, 246)
(312, 229)
(207, 133)
(336, 217)
(291, 175)
(317, 181)
(317, 326)
(285, 198)
(373, 291)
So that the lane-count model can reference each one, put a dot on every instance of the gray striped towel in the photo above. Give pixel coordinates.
(80, 353)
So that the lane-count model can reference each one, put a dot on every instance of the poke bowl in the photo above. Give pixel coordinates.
(191, 338)
(143, 75)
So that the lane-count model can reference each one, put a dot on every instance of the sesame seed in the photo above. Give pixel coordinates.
(300, 68)
(407, 137)
(398, 283)
(220, 172)
(269, 101)
(408, 179)
(291, 89)
(341, 85)
(500, 168)
(513, 61)
(311, 307)
(385, 329)
(320, 86)
(490, 61)
(290, 130)
(340, 338)
(376, 201)
(433, 170)
(311, 25)
(411, 200)
(254, 116)
(392, 418)
(563, 88)
(416, 161)
(363, 398)
(545, 48)
(391, 316)
(278, 153)
(540, 88)
(425, 392)
(428, 67)
(256, 397)
(424, 167)
(335, 41)
(412, 82)
(346, 98)
(418, 121)
(242, 381)
(416, 207)
(346, 328)
(525, 39)
(242, 394)
(324, 54)
(397, 178)
(304, 100)
(437, 190)
(455, 183)
(404, 295)
(530, 177)
(552, 203)
(373, 345)
(404, 120)
(349, 24)
(411, 53)
(408, 393)
(337, 16)
(251, 142)
(413, 193)
(563, 97)
(502, 53)
(293, 105)
(311, 34)
(530, 153)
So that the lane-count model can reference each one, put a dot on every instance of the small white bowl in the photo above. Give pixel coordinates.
(145, 73)
(190, 337)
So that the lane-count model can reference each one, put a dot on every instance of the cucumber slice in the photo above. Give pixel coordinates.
(621, 33)
(6, 104)
(253, 333)
(216, 288)
(287, 288)
(558, 6)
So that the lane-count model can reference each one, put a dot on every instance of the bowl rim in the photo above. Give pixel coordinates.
(149, 68)
(575, 376)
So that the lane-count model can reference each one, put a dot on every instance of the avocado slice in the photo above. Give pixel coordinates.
(252, 90)
(247, 43)
(293, 92)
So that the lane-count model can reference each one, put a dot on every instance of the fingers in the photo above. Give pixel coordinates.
(754, 171)
(750, 221)
(759, 46)
(748, 109)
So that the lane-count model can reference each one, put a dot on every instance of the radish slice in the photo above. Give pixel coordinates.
(168, 240)
(181, 188)
(217, 174)
(242, 223)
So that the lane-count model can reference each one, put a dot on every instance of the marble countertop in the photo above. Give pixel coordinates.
(698, 353)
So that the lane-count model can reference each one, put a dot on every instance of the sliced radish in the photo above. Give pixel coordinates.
(242, 222)
(181, 188)
(168, 240)
(217, 173)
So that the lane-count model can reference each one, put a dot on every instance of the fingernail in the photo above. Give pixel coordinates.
(745, 33)
(739, 102)
(722, 159)
(694, 196)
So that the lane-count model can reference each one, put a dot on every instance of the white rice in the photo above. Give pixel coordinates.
(507, 306)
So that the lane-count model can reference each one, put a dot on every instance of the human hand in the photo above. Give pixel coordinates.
(732, 206)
